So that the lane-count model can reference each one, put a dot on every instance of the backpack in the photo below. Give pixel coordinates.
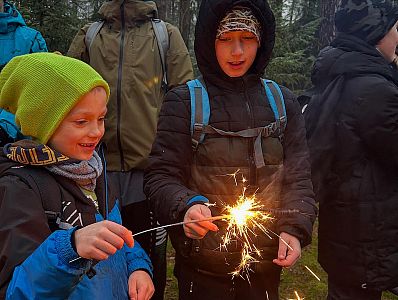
(200, 115)
(46, 186)
(161, 34)
(41, 182)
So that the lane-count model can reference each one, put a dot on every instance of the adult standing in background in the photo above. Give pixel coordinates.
(15, 37)
(125, 52)
(355, 105)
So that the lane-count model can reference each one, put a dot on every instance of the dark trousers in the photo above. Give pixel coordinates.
(339, 291)
(196, 285)
(136, 216)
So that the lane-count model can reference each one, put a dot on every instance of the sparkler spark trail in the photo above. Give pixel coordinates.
(309, 270)
(297, 295)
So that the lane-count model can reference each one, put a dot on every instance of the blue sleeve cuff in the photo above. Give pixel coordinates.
(66, 254)
(197, 199)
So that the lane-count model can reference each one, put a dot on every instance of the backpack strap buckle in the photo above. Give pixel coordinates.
(198, 131)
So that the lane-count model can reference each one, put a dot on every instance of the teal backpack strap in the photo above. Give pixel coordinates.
(277, 102)
(162, 38)
(91, 33)
(200, 111)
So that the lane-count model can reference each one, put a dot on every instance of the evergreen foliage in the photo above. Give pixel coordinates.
(57, 20)
(295, 48)
(294, 51)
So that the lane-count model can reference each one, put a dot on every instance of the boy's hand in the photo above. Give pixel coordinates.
(99, 240)
(198, 230)
(140, 286)
(286, 256)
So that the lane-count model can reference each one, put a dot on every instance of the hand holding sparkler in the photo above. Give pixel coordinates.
(100, 240)
(289, 250)
(198, 230)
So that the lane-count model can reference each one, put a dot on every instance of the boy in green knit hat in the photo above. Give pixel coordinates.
(84, 251)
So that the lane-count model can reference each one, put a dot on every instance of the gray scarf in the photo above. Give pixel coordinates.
(84, 173)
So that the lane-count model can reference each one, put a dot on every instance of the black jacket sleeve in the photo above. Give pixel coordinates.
(23, 226)
(170, 159)
(297, 191)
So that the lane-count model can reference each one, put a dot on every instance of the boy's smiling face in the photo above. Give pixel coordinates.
(236, 51)
(82, 129)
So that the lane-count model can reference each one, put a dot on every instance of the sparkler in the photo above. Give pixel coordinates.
(222, 217)
(245, 219)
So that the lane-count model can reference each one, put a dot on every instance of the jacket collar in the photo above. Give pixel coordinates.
(349, 55)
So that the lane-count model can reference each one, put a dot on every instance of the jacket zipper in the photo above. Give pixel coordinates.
(250, 142)
(119, 87)
(106, 208)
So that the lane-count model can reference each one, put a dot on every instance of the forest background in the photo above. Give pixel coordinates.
(303, 28)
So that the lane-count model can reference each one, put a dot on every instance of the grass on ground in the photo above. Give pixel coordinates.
(297, 278)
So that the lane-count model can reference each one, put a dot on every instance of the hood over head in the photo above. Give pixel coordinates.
(211, 13)
(10, 18)
(134, 10)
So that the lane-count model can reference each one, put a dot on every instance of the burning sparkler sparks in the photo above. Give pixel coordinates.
(244, 218)
(297, 295)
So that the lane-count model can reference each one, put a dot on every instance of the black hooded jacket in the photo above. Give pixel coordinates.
(236, 104)
(356, 123)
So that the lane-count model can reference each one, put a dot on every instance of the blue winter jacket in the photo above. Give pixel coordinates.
(49, 274)
(39, 263)
(15, 37)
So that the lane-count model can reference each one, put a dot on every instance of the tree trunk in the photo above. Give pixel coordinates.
(185, 12)
(1, 5)
(326, 30)
(162, 8)
(292, 11)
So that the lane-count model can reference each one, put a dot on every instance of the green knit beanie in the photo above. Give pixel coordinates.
(41, 89)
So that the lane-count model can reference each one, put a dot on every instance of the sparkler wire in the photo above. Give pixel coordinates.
(183, 223)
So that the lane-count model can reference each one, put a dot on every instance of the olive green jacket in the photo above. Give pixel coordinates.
(125, 52)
